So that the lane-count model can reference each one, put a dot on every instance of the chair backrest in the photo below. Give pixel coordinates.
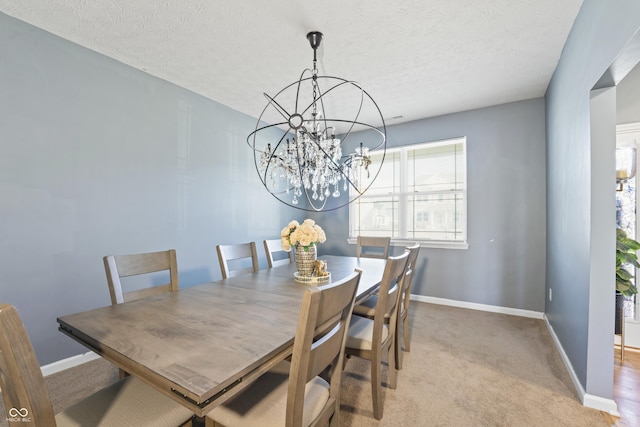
(118, 266)
(236, 253)
(23, 387)
(408, 278)
(373, 247)
(389, 295)
(274, 246)
(319, 343)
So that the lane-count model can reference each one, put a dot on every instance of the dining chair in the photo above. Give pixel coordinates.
(128, 402)
(372, 247)
(371, 339)
(294, 394)
(236, 254)
(368, 307)
(119, 266)
(274, 246)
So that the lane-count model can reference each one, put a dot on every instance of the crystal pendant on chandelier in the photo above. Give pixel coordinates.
(305, 146)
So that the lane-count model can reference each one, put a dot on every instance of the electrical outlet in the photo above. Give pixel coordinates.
(550, 294)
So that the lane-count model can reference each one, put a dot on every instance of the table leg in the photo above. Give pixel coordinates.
(197, 421)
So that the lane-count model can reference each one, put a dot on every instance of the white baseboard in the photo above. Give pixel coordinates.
(588, 400)
(601, 404)
(67, 363)
(481, 307)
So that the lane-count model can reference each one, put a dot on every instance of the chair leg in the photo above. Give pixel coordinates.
(405, 326)
(344, 360)
(334, 421)
(398, 348)
(402, 331)
(376, 386)
(393, 373)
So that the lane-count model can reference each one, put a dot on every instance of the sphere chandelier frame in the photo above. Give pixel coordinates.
(306, 162)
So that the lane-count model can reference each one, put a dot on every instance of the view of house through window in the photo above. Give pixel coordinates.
(419, 194)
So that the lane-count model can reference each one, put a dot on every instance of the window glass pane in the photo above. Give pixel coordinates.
(388, 180)
(377, 216)
(436, 216)
(437, 168)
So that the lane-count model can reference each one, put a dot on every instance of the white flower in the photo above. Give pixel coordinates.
(294, 237)
(305, 229)
(305, 234)
(305, 240)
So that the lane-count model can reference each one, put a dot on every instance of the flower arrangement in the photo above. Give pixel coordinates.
(306, 234)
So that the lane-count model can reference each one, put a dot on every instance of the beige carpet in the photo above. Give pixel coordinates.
(472, 368)
(465, 368)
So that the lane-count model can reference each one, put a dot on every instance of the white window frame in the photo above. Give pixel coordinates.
(403, 200)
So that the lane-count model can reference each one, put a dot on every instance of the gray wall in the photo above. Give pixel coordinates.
(505, 262)
(628, 98)
(579, 207)
(99, 158)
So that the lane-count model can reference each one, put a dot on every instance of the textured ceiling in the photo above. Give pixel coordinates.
(416, 58)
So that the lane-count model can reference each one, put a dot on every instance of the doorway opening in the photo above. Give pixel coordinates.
(627, 157)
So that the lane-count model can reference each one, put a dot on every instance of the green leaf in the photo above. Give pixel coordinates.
(626, 257)
(623, 274)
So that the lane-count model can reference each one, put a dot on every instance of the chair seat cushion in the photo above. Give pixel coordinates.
(360, 334)
(367, 308)
(264, 403)
(128, 402)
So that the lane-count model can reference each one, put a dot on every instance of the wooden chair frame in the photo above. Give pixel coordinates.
(118, 266)
(273, 246)
(325, 314)
(386, 313)
(18, 361)
(366, 243)
(233, 252)
(367, 308)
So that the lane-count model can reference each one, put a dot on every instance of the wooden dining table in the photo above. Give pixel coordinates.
(205, 343)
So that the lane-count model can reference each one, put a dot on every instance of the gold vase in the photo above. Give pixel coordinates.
(306, 260)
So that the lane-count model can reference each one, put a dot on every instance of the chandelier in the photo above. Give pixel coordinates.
(306, 153)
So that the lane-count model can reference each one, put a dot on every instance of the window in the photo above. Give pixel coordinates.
(419, 195)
